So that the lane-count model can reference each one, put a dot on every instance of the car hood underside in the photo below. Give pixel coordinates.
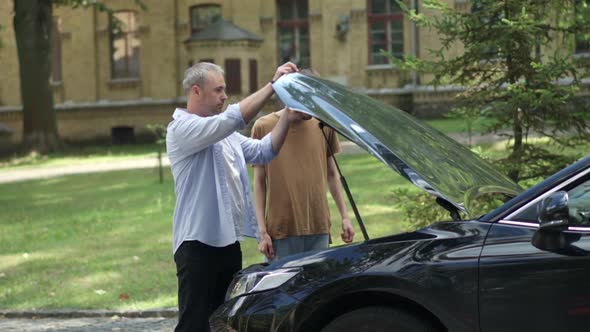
(429, 159)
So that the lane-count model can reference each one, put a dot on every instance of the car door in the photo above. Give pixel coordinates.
(538, 281)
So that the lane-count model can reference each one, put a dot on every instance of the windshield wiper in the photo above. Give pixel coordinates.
(345, 185)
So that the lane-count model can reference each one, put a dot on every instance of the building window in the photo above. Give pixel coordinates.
(386, 31)
(582, 12)
(233, 76)
(253, 68)
(125, 45)
(293, 27)
(203, 15)
(56, 72)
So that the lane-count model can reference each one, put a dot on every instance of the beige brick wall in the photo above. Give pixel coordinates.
(164, 55)
(9, 84)
(220, 51)
(92, 121)
(79, 66)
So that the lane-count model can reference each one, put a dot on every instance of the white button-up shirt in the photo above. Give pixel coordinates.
(204, 206)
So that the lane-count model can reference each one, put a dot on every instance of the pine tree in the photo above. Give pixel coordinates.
(518, 68)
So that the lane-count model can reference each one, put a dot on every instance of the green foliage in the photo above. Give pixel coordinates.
(159, 131)
(468, 115)
(547, 162)
(420, 208)
(513, 68)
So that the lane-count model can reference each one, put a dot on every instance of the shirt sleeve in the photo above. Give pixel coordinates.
(257, 151)
(193, 133)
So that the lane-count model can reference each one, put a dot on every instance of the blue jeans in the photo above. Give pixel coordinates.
(297, 244)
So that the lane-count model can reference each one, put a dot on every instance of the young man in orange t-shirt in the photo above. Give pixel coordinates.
(290, 192)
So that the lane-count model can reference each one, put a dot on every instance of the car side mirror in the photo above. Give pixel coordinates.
(553, 212)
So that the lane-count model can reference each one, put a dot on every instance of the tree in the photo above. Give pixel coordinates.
(516, 68)
(33, 22)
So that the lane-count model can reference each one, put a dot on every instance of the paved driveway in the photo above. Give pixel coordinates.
(102, 324)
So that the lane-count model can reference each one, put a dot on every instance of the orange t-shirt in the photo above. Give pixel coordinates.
(296, 180)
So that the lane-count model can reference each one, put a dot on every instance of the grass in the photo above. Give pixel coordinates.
(453, 125)
(86, 241)
(499, 149)
(103, 240)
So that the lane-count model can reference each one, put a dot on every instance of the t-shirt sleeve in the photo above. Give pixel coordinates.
(257, 131)
(334, 143)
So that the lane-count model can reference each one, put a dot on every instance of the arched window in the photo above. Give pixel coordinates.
(125, 45)
(203, 15)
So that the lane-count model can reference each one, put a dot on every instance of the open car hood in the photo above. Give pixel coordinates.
(429, 159)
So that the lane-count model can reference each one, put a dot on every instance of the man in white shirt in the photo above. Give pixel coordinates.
(213, 201)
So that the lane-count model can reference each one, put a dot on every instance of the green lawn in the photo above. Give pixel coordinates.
(103, 241)
(453, 125)
(84, 241)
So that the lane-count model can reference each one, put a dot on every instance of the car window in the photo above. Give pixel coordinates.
(528, 215)
(579, 203)
(579, 206)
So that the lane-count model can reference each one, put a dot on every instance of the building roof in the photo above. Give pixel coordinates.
(224, 30)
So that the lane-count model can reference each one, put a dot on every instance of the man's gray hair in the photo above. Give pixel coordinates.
(197, 74)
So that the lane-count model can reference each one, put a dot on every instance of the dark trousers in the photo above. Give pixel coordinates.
(204, 274)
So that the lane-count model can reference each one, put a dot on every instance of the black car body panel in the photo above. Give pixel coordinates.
(392, 267)
(500, 272)
(533, 289)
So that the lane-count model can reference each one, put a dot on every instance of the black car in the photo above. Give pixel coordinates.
(523, 266)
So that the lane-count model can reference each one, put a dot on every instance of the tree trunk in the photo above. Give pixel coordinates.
(33, 22)
(517, 149)
(513, 76)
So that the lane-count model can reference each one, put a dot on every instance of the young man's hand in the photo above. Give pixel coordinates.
(265, 246)
(296, 116)
(347, 231)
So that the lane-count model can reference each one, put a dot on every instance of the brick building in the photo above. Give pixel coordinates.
(107, 84)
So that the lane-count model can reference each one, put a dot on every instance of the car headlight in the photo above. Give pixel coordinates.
(259, 281)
